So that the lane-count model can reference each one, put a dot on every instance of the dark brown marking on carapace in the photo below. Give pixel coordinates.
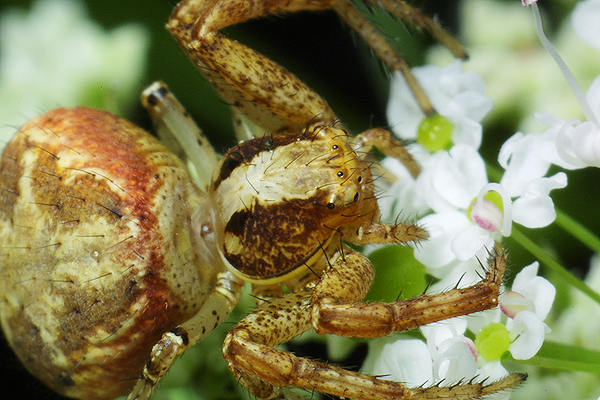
(246, 151)
(278, 238)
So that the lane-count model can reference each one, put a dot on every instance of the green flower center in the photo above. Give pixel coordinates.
(492, 341)
(435, 133)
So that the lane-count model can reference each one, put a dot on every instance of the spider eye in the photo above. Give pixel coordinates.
(356, 196)
(335, 147)
(340, 174)
(331, 206)
(359, 179)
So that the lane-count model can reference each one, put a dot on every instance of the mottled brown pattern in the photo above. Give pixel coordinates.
(270, 95)
(278, 238)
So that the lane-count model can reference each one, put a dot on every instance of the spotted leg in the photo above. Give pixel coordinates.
(213, 312)
(333, 307)
(388, 145)
(262, 90)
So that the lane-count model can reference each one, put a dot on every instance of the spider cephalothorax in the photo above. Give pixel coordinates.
(297, 189)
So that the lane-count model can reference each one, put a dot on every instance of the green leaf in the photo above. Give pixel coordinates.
(398, 275)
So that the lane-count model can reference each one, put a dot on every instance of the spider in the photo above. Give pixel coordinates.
(116, 259)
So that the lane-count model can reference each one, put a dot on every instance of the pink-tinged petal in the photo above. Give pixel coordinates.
(528, 333)
(512, 303)
(407, 361)
(536, 289)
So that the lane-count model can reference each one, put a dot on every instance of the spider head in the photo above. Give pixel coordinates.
(282, 199)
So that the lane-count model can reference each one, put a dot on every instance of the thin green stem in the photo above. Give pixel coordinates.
(578, 231)
(554, 265)
(565, 356)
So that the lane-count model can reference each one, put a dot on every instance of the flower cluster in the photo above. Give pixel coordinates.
(449, 356)
(71, 61)
(465, 213)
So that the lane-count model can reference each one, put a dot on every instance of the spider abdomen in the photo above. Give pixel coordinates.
(97, 255)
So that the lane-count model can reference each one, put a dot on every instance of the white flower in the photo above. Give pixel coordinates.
(454, 93)
(407, 361)
(578, 143)
(469, 213)
(448, 357)
(55, 56)
(585, 19)
(402, 197)
(527, 305)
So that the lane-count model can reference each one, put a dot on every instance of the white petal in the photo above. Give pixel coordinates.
(534, 211)
(534, 208)
(458, 176)
(526, 275)
(403, 197)
(481, 319)
(586, 143)
(438, 332)
(508, 148)
(536, 289)
(407, 361)
(467, 132)
(436, 251)
(492, 370)
(528, 333)
(454, 361)
(585, 19)
(474, 105)
(469, 241)
(522, 162)
(403, 113)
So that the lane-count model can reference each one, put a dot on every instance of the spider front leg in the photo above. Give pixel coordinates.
(212, 313)
(179, 132)
(259, 88)
(249, 347)
(339, 315)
